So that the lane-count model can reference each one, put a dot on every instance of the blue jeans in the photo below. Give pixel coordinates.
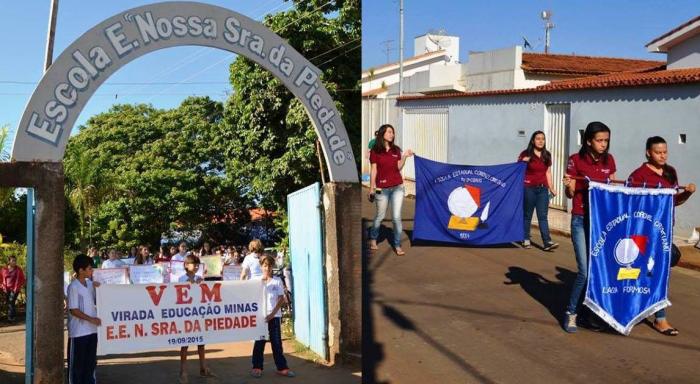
(579, 238)
(537, 198)
(11, 300)
(395, 195)
(274, 328)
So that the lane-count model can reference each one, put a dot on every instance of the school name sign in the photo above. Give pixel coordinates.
(77, 73)
(146, 317)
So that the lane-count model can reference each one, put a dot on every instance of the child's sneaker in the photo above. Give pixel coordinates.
(286, 373)
(256, 373)
(550, 246)
(570, 323)
(526, 244)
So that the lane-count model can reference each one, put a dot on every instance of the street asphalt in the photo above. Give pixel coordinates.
(453, 314)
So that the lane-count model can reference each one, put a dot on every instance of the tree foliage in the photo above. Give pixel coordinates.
(149, 171)
(270, 140)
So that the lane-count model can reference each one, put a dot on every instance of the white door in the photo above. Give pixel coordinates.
(556, 127)
(425, 132)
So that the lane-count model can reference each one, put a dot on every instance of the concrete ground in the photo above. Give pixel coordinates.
(450, 314)
(230, 362)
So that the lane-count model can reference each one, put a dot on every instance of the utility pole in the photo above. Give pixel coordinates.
(48, 59)
(548, 25)
(401, 48)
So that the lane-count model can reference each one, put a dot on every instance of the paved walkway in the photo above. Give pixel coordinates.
(449, 314)
(231, 362)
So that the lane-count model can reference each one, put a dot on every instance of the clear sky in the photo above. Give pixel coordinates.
(23, 33)
(617, 28)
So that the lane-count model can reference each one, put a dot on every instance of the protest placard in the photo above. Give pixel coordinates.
(148, 317)
(145, 274)
(232, 272)
(212, 265)
(111, 276)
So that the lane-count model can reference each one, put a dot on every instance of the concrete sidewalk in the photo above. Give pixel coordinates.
(231, 363)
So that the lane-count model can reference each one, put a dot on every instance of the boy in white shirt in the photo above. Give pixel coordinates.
(274, 300)
(82, 324)
(113, 261)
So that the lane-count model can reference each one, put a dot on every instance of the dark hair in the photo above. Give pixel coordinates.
(82, 262)
(192, 259)
(667, 173)
(379, 142)
(546, 156)
(267, 258)
(591, 130)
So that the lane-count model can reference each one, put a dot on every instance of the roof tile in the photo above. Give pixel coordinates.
(574, 65)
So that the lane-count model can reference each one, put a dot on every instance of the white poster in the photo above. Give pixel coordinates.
(111, 275)
(146, 317)
(232, 272)
(146, 274)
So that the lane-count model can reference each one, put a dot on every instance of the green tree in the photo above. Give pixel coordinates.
(270, 142)
(5, 193)
(164, 170)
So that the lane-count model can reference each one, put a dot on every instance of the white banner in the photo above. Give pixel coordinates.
(146, 317)
(147, 274)
(111, 276)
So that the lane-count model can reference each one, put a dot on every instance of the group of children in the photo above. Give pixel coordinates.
(83, 320)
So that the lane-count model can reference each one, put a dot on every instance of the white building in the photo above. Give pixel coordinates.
(492, 121)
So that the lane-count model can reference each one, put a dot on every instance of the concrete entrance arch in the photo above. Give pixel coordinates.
(65, 89)
(76, 74)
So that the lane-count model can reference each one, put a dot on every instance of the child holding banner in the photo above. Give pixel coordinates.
(654, 172)
(274, 299)
(538, 186)
(191, 267)
(594, 162)
(82, 323)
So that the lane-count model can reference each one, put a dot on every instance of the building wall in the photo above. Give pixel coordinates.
(685, 54)
(484, 130)
(493, 69)
(422, 44)
(392, 76)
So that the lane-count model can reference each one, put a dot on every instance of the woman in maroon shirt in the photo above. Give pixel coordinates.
(12, 283)
(386, 184)
(654, 172)
(538, 186)
(592, 161)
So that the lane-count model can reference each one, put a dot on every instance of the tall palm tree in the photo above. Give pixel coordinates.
(83, 193)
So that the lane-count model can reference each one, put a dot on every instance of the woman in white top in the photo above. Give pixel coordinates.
(251, 269)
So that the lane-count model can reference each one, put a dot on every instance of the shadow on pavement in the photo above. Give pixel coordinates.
(228, 370)
(553, 295)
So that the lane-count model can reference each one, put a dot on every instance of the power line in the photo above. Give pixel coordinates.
(342, 54)
(331, 50)
(125, 83)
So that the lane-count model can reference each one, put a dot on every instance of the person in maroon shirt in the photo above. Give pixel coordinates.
(592, 161)
(386, 184)
(12, 283)
(538, 186)
(654, 172)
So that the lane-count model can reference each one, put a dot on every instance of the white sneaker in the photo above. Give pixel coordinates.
(550, 246)
(526, 244)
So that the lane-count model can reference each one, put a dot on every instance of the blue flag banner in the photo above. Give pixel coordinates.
(474, 205)
(630, 253)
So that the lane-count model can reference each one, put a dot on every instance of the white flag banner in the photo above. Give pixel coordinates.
(147, 317)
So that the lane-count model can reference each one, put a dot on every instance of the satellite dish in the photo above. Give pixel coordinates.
(439, 37)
